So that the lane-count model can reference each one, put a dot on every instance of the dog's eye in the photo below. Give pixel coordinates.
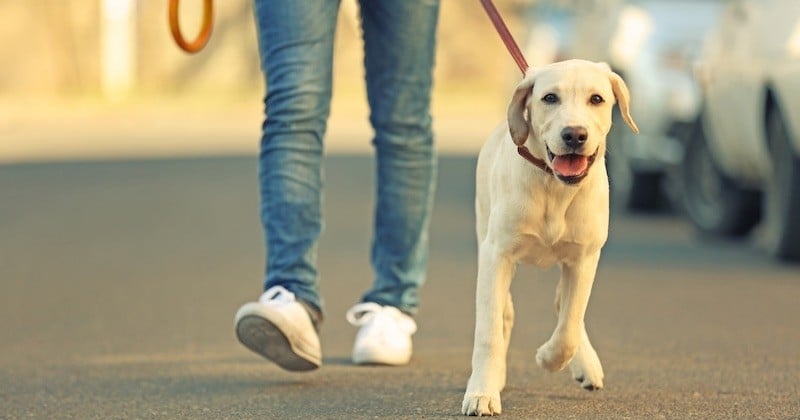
(550, 98)
(596, 100)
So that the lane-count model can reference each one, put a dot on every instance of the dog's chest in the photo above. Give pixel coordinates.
(552, 232)
(544, 244)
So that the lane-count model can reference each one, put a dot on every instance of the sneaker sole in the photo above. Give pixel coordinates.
(266, 339)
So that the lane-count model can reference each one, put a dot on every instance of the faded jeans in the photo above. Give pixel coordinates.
(296, 50)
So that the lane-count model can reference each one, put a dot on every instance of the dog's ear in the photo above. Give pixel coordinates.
(623, 99)
(518, 125)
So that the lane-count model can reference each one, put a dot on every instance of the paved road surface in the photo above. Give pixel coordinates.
(119, 282)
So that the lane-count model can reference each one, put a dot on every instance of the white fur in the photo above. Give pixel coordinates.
(527, 215)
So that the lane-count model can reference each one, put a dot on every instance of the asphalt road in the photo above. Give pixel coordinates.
(119, 282)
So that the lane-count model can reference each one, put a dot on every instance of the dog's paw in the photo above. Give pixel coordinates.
(588, 371)
(481, 405)
(590, 379)
(554, 356)
(589, 384)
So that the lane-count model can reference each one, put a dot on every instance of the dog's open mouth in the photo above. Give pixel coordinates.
(571, 168)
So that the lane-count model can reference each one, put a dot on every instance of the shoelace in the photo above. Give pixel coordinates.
(277, 294)
(366, 312)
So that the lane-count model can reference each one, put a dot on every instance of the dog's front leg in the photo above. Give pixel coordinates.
(585, 366)
(495, 270)
(572, 297)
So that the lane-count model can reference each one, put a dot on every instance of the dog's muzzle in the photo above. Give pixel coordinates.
(571, 168)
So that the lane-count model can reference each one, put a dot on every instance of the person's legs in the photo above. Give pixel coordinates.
(399, 39)
(296, 49)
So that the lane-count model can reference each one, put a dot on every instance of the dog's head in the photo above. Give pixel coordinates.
(568, 106)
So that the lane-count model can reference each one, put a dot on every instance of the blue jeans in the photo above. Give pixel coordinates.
(296, 49)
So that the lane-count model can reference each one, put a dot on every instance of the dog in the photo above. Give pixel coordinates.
(542, 198)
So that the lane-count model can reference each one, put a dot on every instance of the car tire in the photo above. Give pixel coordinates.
(782, 191)
(713, 202)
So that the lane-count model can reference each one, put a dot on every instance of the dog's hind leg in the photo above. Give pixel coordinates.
(572, 295)
(585, 366)
(508, 320)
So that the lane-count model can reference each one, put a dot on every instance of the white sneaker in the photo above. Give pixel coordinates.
(385, 334)
(279, 328)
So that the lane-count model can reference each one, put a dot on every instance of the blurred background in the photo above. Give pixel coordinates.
(106, 77)
(714, 87)
(103, 79)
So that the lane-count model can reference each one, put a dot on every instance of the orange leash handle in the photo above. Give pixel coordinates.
(205, 28)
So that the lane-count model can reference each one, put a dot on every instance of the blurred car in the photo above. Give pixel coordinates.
(664, 95)
(742, 161)
(652, 44)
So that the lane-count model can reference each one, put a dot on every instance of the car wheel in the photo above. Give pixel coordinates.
(782, 192)
(713, 202)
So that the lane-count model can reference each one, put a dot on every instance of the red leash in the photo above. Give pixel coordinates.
(516, 53)
(505, 34)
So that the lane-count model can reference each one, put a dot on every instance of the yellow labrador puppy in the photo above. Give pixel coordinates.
(545, 203)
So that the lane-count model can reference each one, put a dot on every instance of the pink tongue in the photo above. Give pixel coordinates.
(570, 165)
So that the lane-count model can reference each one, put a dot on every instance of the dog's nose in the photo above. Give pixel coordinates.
(574, 136)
